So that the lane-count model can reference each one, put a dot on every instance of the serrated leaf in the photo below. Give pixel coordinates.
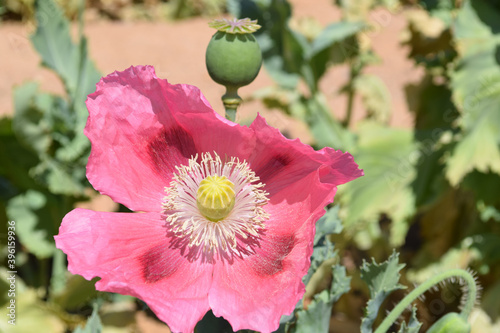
(322, 251)
(60, 178)
(480, 147)
(388, 156)
(413, 325)
(31, 121)
(476, 27)
(476, 91)
(43, 123)
(74, 149)
(341, 283)
(382, 279)
(34, 224)
(316, 318)
(328, 224)
(435, 114)
(52, 40)
(93, 324)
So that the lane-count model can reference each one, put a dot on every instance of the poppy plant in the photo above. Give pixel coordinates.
(224, 214)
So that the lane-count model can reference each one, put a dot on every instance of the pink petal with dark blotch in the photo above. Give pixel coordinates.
(264, 286)
(136, 139)
(142, 128)
(211, 135)
(280, 162)
(131, 254)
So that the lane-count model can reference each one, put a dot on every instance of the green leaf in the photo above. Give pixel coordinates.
(430, 39)
(480, 147)
(322, 251)
(35, 225)
(476, 91)
(488, 246)
(316, 318)
(335, 44)
(476, 27)
(487, 212)
(328, 224)
(382, 279)
(76, 291)
(484, 186)
(282, 49)
(326, 130)
(387, 156)
(32, 121)
(32, 315)
(75, 149)
(435, 115)
(16, 161)
(490, 301)
(413, 325)
(52, 40)
(60, 178)
(375, 96)
(334, 33)
(93, 324)
(44, 124)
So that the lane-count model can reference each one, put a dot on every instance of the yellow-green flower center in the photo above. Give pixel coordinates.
(215, 197)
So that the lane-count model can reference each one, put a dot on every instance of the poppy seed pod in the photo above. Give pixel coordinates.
(233, 56)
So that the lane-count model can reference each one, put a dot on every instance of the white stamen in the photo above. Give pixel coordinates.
(229, 235)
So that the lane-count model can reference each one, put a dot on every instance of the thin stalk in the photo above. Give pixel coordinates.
(231, 102)
(421, 289)
(355, 70)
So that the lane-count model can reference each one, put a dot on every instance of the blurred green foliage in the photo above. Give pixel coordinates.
(427, 191)
(24, 10)
(432, 192)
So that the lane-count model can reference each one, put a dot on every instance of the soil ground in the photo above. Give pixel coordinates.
(177, 51)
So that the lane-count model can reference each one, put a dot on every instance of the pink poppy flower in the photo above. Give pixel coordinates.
(226, 213)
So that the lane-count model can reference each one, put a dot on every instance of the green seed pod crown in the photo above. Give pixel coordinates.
(233, 56)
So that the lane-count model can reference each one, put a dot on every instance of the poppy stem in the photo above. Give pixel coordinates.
(462, 275)
(231, 102)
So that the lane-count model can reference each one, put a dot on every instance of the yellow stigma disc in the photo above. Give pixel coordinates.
(215, 197)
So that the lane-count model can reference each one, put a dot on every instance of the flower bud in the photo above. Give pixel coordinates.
(450, 323)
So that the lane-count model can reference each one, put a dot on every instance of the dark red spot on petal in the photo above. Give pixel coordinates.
(156, 265)
(269, 259)
(170, 148)
(273, 167)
